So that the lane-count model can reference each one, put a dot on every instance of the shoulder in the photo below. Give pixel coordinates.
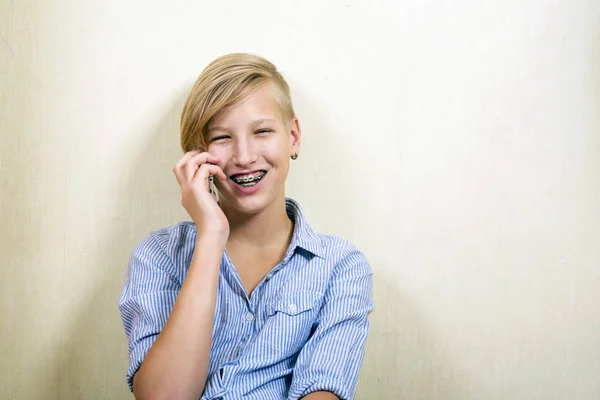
(343, 254)
(169, 239)
(334, 251)
(169, 248)
(351, 274)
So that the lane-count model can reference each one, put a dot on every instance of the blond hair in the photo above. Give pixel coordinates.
(221, 84)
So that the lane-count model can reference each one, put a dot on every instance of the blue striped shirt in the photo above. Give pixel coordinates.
(302, 330)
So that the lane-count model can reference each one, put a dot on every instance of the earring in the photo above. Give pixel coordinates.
(295, 156)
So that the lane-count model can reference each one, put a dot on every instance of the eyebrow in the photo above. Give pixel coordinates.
(253, 124)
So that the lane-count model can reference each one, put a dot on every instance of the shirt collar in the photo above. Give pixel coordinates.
(303, 235)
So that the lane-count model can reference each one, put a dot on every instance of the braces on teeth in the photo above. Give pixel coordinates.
(248, 179)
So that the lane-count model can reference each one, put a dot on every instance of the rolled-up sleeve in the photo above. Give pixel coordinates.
(147, 299)
(331, 359)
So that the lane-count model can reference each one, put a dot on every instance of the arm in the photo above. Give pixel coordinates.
(176, 366)
(170, 328)
(328, 365)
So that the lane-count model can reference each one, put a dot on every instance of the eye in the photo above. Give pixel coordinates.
(218, 138)
(263, 131)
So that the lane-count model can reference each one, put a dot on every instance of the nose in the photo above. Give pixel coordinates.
(244, 153)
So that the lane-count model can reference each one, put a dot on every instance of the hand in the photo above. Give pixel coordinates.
(192, 172)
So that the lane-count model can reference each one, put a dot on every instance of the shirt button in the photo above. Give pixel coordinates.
(292, 308)
(269, 276)
(249, 317)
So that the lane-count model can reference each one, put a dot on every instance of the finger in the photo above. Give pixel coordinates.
(220, 174)
(177, 168)
(203, 158)
(186, 157)
(191, 166)
(207, 170)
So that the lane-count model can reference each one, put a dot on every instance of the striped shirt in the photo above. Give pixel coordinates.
(302, 330)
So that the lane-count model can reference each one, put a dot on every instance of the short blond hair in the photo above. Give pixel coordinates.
(222, 83)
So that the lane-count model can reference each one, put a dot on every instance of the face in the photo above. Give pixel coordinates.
(253, 144)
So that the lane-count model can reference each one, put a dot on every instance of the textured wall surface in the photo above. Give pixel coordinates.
(456, 143)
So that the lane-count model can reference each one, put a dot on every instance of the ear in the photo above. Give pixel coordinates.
(295, 136)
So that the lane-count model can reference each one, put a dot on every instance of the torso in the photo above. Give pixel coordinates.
(253, 264)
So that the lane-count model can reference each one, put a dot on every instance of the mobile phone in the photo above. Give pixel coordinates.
(212, 189)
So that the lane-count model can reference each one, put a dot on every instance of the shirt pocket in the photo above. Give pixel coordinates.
(290, 319)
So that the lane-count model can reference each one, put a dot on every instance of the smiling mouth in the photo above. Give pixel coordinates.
(248, 180)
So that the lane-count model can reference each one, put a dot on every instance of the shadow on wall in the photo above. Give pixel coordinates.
(94, 344)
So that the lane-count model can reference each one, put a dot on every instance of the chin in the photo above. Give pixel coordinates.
(253, 204)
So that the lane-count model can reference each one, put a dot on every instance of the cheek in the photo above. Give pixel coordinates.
(278, 158)
(279, 151)
(221, 152)
(282, 163)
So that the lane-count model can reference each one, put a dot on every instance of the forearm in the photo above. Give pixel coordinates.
(321, 396)
(176, 366)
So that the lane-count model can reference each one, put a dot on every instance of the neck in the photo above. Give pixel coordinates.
(268, 228)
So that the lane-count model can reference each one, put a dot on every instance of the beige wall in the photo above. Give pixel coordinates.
(456, 143)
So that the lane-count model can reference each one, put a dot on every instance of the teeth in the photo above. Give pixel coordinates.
(248, 178)
(249, 184)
